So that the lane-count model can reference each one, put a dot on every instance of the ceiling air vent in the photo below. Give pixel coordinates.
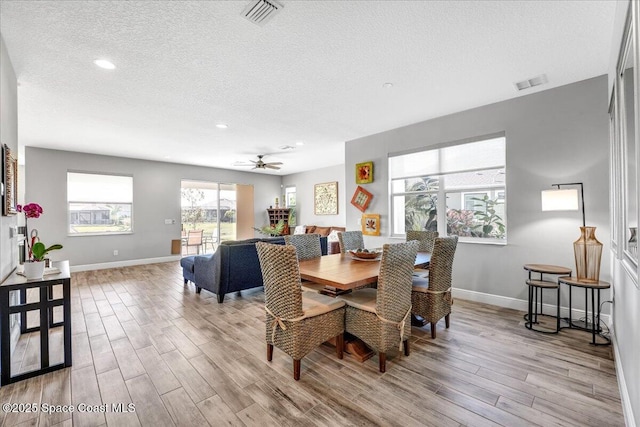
(534, 81)
(261, 11)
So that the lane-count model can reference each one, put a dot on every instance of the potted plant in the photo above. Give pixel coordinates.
(34, 266)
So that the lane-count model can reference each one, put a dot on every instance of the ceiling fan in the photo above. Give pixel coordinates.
(259, 164)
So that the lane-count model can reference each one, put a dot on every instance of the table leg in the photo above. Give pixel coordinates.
(570, 320)
(593, 316)
(66, 295)
(558, 310)
(44, 328)
(23, 315)
(5, 334)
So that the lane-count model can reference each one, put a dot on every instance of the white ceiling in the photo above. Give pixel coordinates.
(314, 73)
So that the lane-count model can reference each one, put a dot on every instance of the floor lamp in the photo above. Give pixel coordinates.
(587, 249)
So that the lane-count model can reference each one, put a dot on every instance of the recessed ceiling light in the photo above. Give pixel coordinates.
(103, 63)
(299, 143)
(221, 126)
(387, 85)
(167, 157)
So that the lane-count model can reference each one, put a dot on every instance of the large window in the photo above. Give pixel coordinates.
(458, 190)
(99, 204)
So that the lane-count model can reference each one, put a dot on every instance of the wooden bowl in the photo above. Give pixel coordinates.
(365, 255)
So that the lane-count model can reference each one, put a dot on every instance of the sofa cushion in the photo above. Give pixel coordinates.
(310, 229)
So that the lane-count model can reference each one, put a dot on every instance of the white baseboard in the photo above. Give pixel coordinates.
(519, 304)
(127, 263)
(627, 410)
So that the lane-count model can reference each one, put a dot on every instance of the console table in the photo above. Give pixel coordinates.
(44, 305)
(595, 309)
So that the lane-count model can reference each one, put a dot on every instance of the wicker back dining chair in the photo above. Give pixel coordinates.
(426, 239)
(381, 318)
(350, 240)
(431, 298)
(307, 247)
(296, 323)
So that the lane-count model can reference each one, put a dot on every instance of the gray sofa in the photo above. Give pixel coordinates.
(233, 267)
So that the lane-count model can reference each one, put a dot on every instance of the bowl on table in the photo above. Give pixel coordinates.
(373, 254)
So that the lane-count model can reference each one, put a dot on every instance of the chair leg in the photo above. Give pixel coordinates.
(406, 347)
(383, 362)
(340, 345)
(446, 320)
(433, 330)
(269, 352)
(296, 370)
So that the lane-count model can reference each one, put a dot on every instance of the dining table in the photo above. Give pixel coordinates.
(342, 273)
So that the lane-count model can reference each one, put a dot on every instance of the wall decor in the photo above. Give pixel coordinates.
(361, 198)
(364, 173)
(9, 182)
(325, 198)
(371, 224)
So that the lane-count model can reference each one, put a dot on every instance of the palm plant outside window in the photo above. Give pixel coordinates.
(457, 190)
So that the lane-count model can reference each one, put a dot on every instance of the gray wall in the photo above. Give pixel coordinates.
(558, 135)
(8, 136)
(156, 193)
(304, 183)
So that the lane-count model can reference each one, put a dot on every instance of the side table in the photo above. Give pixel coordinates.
(44, 305)
(595, 309)
(537, 286)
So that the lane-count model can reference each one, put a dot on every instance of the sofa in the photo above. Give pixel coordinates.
(233, 267)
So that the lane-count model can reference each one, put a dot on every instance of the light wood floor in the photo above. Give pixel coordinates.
(140, 336)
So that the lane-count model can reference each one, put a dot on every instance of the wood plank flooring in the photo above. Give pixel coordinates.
(140, 336)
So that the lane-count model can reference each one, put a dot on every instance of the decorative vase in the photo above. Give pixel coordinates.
(633, 240)
(588, 253)
(33, 269)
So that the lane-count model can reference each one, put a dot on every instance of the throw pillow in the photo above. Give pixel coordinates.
(300, 229)
(333, 236)
(322, 231)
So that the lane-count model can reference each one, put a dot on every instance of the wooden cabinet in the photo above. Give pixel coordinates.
(275, 215)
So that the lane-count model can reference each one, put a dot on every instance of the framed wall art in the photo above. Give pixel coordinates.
(371, 224)
(325, 198)
(361, 198)
(9, 182)
(364, 173)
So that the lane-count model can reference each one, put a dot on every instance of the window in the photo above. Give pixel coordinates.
(290, 202)
(457, 190)
(99, 204)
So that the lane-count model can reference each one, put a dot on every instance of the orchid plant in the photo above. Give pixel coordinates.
(37, 249)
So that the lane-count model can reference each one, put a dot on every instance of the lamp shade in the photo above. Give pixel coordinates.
(560, 200)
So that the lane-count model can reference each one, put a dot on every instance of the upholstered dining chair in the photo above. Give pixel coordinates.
(426, 240)
(381, 317)
(350, 240)
(297, 322)
(307, 247)
(431, 298)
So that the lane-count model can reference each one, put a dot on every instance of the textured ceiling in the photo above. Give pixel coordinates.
(314, 73)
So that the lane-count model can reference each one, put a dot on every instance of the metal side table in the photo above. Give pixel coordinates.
(536, 286)
(595, 309)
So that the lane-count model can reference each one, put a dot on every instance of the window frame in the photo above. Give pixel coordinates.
(101, 233)
(442, 192)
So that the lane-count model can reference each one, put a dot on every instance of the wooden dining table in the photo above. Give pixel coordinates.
(342, 273)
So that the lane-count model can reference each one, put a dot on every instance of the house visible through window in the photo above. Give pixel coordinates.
(99, 204)
(457, 190)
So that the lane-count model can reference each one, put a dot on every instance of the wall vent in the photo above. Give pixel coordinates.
(261, 11)
(534, 81)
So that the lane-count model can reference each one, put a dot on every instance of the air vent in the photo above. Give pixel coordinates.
(534, 81)
(261, 11)
(287, 147)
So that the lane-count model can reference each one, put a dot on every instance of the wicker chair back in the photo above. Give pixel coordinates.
(394, 281)
(441, 265)
(281, 277)
(426, 238)
(350, 240)
(307, 245)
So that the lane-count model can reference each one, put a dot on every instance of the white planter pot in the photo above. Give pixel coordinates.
(33, 269)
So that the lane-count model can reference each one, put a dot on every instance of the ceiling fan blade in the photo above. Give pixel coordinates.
(274, 163)
(270, 166)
